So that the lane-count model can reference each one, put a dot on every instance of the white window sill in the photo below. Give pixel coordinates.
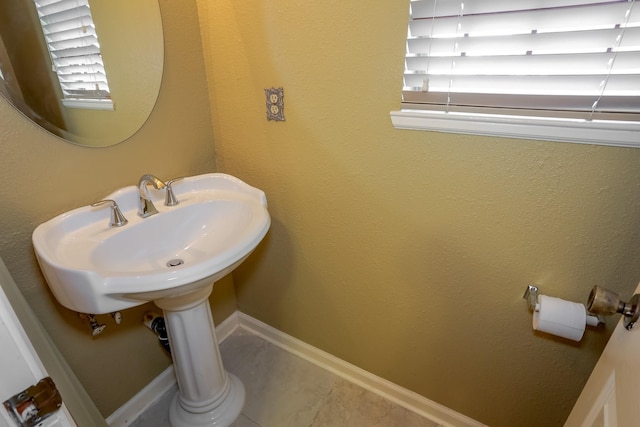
(620, 134)
(89, 104)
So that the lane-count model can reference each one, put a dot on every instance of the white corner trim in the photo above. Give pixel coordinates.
(623, 134)
(414, 402)
(388, 390)
(227, 326)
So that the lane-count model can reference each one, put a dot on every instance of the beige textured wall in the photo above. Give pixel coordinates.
(407, 253)
(42, 176)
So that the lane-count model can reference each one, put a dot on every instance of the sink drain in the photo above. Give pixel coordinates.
(175, 262)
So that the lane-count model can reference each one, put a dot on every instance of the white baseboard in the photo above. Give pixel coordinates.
(143, 400)
(399, 395)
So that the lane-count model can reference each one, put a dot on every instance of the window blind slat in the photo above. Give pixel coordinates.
(72, 34)
(533, 65)
(535, 44)
(66, 25)
(82, 12)
(55, 7)
(88, 60)
(565, 103)
(41, 3)
(75, 52)
(95, 77)
(622, 85)
(74, 43)
(89, 82)
(425, 8)
(82, 69)
(72, 3)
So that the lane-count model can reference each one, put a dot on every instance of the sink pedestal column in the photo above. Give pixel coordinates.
(207, 394)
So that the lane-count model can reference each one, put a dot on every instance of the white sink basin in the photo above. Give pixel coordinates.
(94, 268)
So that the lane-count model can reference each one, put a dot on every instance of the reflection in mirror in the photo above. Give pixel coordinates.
(131, 42)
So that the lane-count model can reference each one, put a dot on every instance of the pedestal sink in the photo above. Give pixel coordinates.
(171, 258)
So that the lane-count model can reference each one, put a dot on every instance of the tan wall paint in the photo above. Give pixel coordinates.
(43, 176)
(407, 253)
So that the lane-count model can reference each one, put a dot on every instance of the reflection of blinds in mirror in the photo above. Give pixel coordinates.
(72, 41)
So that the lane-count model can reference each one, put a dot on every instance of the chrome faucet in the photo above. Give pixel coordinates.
(145, 205)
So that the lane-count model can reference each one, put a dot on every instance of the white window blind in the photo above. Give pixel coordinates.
(75, 52)
(574, 60)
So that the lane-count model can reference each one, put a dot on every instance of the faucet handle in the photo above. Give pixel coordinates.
(170, 199)
(117, 219)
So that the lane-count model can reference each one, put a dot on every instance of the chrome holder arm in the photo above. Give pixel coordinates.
(531, 295)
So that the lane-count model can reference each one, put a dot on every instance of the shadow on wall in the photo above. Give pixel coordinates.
(260, 263)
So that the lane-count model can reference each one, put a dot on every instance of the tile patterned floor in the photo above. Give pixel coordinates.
(284, 390)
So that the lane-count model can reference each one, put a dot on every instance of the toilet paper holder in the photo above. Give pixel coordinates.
(601, 302)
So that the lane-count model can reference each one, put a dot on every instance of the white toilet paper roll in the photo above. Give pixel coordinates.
(559, 317)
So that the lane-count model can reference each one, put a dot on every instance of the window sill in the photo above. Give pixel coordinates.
(89, 104)
(620, 134)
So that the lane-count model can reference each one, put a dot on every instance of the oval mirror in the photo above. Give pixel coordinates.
(128, 35)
